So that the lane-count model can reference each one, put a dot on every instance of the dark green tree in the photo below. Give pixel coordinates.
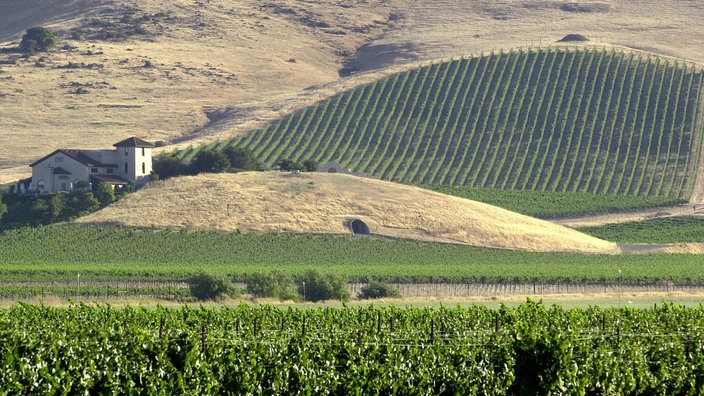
(105, 193)
(37, 39)
(277, 283)
(242, 159)
(316, 286)
(310, 165)
(167, 166)
(204, 286)
(3, 207)
(287, 165)
(38, 211)
(210, 161)
(81, 185)
(376, 289)
(57, 203)
(85, 203)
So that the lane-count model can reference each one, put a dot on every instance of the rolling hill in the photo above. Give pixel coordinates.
(326, 203)
(598, 119)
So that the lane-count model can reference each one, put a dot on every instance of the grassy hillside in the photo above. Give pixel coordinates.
(588, 120)
(231, 66)
(325, 203)
(165, 70)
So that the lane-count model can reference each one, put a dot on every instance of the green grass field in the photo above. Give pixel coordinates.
(58, 253)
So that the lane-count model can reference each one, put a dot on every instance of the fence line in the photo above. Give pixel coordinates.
(165, 290)
(509, 289)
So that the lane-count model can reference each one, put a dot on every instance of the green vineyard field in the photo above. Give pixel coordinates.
(58, 253)
(552, 204)
(585, 120)
(668, 230)
(530, 349)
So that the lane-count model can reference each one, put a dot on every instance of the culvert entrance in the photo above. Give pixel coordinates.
(359, 227)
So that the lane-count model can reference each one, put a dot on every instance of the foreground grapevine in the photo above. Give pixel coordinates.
(531, 349)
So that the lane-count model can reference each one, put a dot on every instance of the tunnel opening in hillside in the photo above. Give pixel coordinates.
(359, 227)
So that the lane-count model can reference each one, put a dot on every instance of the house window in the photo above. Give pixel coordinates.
(93, 170)
(144, 168)
(143, 152)
(125, 167)
(63, 186)
(40, 184)
(110, 171)
(126, 152)
(59, 159)
(63, 177)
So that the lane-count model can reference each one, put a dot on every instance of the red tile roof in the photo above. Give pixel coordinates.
(133, 142)
(80, 156)
(77, 155)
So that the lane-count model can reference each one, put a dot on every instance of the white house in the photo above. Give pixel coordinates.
(130, 161)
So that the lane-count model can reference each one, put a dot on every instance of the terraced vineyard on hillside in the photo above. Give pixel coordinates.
(585, 120)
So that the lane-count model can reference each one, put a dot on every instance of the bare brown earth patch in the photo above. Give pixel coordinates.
(324, 203)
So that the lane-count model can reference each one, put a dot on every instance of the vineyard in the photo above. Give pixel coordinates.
(530, 349)
(586, 120)
(668, 230)
(59, 253)
(545, 205)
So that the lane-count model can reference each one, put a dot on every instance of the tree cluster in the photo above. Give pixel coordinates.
(231, 159)
(288, 165)
(205, 286)
(51, 208)
(37, 39)
(310, 286)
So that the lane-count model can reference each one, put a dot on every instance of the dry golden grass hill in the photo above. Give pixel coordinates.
(189, 71)
(325, 203)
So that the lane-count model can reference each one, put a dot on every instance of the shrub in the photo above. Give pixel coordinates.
(211, 161)
(105, 193)
(81, 185)
(310, 165)
(317, 287)
(376, 289)
(276, 283)
(206, 286)
(3, 207)
(287, 165)
(167, 166)
(37, 39)
(242, 159)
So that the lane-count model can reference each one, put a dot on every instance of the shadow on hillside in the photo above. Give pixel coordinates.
(19, 15)
(379, 56)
